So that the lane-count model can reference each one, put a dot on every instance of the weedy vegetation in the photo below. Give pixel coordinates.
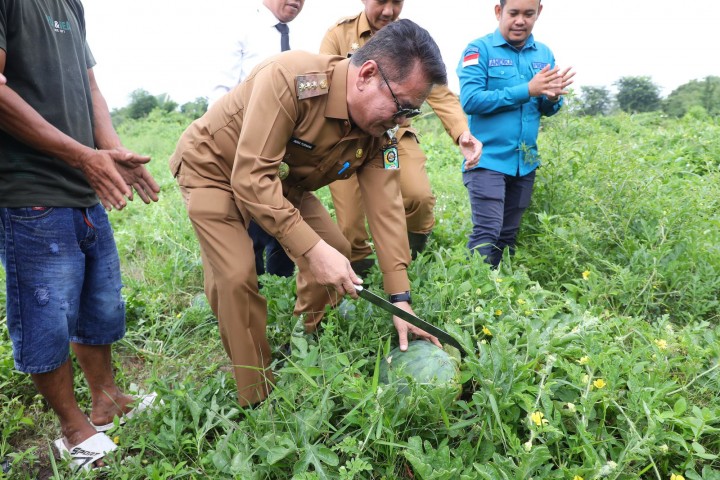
(595, 350)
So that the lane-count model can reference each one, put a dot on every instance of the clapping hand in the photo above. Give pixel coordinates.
(551, 82)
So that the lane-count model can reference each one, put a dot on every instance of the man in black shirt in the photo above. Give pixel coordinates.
(61, 166)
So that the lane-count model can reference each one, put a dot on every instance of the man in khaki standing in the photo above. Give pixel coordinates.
(298, 122)
(344, 39)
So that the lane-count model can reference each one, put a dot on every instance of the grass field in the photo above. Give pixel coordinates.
(595, 350)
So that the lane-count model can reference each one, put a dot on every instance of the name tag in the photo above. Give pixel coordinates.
(500, 62)
(390, 157)
(301, 143)
(539, 65)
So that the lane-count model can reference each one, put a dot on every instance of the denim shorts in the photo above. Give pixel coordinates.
(63, 283)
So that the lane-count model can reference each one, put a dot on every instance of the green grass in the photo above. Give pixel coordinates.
(605, 322)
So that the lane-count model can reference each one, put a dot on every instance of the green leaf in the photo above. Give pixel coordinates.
(327, 456)
(275, 454)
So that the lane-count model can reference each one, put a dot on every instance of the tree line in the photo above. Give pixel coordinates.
(142, 103)
(634, 95)
(640, 94)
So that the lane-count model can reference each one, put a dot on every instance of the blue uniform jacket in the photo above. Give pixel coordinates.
(494, 93)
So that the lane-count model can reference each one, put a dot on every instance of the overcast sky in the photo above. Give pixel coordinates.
(166, 46)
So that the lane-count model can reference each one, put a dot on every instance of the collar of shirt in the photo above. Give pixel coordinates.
(337, 93)
(266, 18)
(498, 41)
(364, 26)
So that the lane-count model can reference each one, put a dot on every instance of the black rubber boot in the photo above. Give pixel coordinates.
(418, 241)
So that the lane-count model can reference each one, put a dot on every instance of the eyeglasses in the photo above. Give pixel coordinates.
(401, 111)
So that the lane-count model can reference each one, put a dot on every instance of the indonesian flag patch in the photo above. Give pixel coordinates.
(471, 57)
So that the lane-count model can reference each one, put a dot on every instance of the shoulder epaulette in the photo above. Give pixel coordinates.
(311, 85)
(349, 19)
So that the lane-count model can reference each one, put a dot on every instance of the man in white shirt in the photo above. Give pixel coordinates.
(259, 31)
(255, 38)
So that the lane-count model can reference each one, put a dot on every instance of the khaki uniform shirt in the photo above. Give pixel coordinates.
(353, 32)
(292, 108)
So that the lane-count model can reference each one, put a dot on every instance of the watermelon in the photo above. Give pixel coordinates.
(346, 309)
(425, 366)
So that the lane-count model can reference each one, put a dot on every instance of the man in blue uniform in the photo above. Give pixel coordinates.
(507, 81)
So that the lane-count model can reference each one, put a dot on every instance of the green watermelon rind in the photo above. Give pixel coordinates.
(423, 366)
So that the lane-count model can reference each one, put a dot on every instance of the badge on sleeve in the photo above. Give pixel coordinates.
(471, 57)
(391, 161)
(312, 85)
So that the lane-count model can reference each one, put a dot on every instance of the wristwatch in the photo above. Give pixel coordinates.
(401, 297)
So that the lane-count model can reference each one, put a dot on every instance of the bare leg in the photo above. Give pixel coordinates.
(57, 388)
(107, 399)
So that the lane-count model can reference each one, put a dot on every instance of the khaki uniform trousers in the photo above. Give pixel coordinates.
(418, 199)
(231, 282)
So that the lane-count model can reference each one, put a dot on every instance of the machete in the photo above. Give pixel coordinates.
(442, 335)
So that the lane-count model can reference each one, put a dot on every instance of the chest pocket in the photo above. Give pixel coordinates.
(351, 157)
(502, 76)
(346, 164)
(311, 170)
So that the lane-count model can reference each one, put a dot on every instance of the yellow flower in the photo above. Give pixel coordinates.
(520, 301)
(498, 312)
(458, 321)
(537, 418)
(578, 477)
(571, 407)
(584, 360)
(486, 331)
(586, 274)
(661, 343)
(599, 383)
(116, 440)
(676, 477)
(498, 280)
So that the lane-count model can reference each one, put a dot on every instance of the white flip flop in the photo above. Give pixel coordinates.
(146, 402)
(83, 455)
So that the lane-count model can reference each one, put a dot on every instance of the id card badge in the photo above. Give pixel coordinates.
(390, 156)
